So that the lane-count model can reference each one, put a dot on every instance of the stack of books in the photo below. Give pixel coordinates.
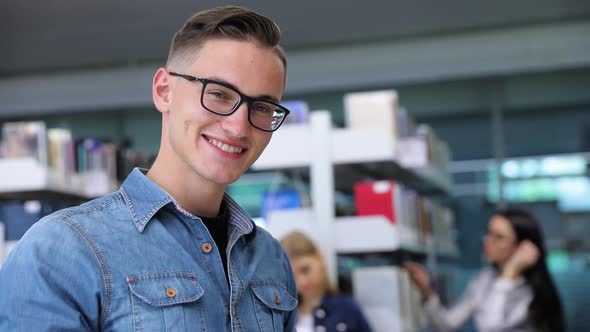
(419, 218)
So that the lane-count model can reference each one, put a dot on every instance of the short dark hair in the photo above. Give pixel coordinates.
(231, 22)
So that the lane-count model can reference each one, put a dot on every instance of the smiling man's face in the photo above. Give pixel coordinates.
(216, 148)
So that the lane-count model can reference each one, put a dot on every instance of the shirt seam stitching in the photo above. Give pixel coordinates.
(102, 265)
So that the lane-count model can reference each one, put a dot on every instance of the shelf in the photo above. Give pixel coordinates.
(291, 147)
(433, 177)
(424, 180)
(27, 179)
(374, 234)
(288, 148)
(336, 159)
(355, 235)
(358, 154)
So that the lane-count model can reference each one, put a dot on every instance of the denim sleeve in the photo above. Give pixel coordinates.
(292, 315)
(51, 281)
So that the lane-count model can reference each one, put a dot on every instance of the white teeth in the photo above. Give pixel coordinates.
(224, 147)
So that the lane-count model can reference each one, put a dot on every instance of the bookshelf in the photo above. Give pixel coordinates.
(360, 235)
(337, 158)
(28, 179)
(291, 147)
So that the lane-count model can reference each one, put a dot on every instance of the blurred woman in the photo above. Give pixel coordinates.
(320, 309)
(516, 293)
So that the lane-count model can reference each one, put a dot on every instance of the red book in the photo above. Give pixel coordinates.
(376, 198)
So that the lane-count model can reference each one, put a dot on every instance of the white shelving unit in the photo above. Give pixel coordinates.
(388, 299)
(351, 234)
(327, 151)
(27, 179)
(358, 235)
(347, 147)
(335, 157)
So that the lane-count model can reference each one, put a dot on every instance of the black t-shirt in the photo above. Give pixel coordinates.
(218, 228)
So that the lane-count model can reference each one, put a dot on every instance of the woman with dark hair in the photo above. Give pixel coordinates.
(516, 293)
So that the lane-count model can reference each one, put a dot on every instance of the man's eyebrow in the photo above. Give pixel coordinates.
(268, 97)
(265, 97)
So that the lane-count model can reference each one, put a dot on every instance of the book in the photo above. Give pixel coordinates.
(61, 151)
(299, 111)
(376, 109)
(384, 198)
(25, 139)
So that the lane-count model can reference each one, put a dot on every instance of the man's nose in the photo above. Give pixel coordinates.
(237, 124)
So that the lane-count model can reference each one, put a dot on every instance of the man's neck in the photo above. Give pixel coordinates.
(195, 194)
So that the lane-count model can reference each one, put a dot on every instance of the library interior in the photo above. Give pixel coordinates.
(434, 155)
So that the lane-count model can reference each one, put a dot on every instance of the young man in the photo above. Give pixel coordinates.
(170, 251)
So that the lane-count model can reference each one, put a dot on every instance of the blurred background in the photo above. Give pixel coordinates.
(451, 109)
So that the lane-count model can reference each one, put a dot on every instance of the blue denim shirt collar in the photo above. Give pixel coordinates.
(144, 198)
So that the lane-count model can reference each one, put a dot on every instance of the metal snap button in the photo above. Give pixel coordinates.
(171, 292)
(207, 247)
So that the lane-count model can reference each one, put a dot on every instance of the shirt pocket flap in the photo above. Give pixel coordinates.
(164, 289)
(274, 295)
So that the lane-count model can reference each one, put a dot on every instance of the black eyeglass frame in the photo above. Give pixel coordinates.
(249, 100)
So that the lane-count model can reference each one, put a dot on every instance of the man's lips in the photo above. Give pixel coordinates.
(226, 146)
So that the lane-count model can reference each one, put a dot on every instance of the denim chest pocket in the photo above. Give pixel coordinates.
(272, 304)
(167, 301)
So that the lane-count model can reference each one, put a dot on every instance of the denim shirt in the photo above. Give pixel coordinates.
(134, 260)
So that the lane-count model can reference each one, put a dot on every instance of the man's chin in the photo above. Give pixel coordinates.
(226, 179)
(221, 176)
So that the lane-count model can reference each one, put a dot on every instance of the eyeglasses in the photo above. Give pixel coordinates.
(223, 99)
(498, 238)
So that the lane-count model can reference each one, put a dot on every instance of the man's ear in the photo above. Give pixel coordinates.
(161, 90)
